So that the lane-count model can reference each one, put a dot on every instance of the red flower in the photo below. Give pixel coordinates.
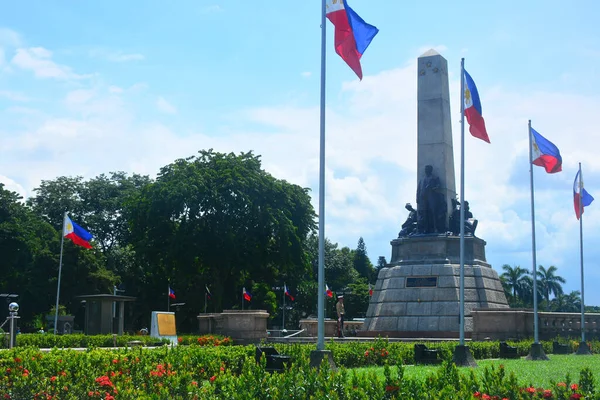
(561, 384)
(17, 360)
(212, 378)
(194, 383)
(53, 378)
(530, 390)
(486, 397)
(90, 393)
(367, 353)
(575, 396)
(574, 386)
(477, 395)
(547, 393)
(25, 373)
(115, 361)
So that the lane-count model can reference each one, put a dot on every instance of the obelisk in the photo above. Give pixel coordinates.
(417, 294)
(434, 124)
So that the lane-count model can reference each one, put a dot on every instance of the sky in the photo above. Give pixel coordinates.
(92, 87)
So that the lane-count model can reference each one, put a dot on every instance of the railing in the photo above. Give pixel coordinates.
(552, 324)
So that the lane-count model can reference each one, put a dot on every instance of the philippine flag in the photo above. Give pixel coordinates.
(352, 34)
(171, 293)
(208, 294)
(580, 193)
(544, 153)
(328, 291)
(77, 234)
(247, 295)
(370, 290)
(287, 292)
(473, 110)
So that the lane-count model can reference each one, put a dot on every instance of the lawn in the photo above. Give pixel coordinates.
(528, 373)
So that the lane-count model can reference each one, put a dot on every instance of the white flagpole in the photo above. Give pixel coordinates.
(533, 249)
(321, 272)
(205, 301)
(62, 240)
(168, 296)
(283, 322)
(462, 203)
(581, 252)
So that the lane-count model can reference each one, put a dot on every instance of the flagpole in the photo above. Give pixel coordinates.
(462, 203)
(62, 241)
(168, 296)
(581, 253)
(283, 323)
(321, 272)
(243, 300)
(533, 249)
(205, 301)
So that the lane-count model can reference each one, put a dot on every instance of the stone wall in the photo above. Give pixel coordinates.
(507, 324)
(247, 326)
(311, 329)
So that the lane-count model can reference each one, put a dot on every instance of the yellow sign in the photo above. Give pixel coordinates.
(166, 324)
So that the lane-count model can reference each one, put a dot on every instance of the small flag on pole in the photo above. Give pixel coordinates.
(580, 193)
(473, 110)
(208, 294)
(287, 292)
(171, 293)
(545, 153)
(370, 290)
(77, 234)
(328, 291)
(352, 34)
(246, 294)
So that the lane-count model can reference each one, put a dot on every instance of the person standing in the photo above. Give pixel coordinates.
(340, 314)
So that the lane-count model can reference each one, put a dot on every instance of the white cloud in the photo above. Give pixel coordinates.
(39, 61)
(306, 74)
(164, 106)
(9, 38)
(13, 96)
(115, 89)
(211, 9)
(116, 56)
(371, 158)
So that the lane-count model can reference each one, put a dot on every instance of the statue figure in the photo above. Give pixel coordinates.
(431, 206)
(410, 225)
(470, 223)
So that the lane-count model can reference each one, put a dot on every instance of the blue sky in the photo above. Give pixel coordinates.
(90, 88)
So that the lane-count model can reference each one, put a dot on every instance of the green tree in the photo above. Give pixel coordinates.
(339, 263)
(361, 261)
(515, 283)
(219, 219)
(550, 283)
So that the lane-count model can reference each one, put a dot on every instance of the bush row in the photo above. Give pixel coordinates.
(194, 372)
(381, 351)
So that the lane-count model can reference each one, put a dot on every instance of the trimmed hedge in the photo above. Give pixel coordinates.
(194, 372)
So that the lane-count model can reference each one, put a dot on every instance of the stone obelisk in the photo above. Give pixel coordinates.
(417, 294)
(434, 127)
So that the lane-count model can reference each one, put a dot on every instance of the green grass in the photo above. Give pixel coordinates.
(535, 373)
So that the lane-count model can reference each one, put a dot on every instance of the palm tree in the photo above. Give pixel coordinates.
(549, 282)
(513, 279)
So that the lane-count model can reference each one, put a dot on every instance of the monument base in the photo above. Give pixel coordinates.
(317, 356)
(583, 349)
(463, 357)
(536, 353)
(418, 295)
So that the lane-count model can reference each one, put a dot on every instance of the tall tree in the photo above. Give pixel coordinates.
(362, 264)
(515, 279)
(550, 283)
(219, 219)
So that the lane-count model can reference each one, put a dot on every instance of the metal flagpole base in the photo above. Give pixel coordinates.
(583, 349)
(317, 356)
(463, 357)
(536, 353)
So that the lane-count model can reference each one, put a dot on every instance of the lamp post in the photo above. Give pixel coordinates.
(13, 309)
